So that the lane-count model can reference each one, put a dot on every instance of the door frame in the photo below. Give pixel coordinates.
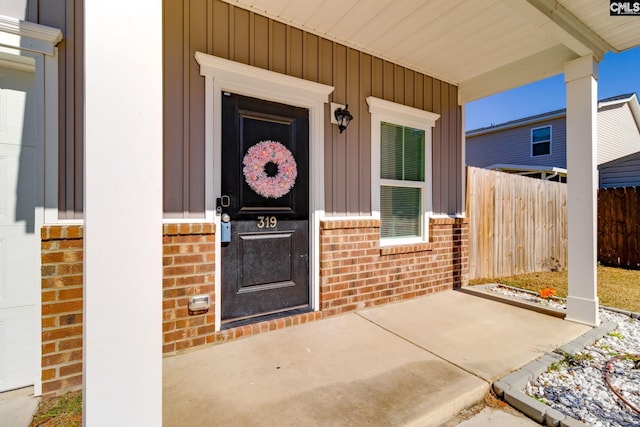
(32, 48)
(222, 75)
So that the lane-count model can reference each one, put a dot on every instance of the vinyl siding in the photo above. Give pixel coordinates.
(233, 33)
(624, 172)
(221, 29)
(66, 15)
(618, 134)
(513, 146)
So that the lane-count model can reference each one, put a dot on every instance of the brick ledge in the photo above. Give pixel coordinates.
(328, 224)
(233, 334)
(185, 229)
(446, 220)
(62, 232)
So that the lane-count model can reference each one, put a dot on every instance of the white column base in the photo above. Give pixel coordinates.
(584, 311)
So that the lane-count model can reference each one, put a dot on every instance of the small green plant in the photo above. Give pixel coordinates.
(616, 334)
(63, 411)
(634, 358)
(541, 400)
(555, 366)
(570, 360)
(609, 351)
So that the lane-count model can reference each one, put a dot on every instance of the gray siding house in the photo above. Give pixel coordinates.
(622, 172)
(536, 145)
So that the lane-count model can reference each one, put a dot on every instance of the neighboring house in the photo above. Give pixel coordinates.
(622, 172)
(177, 179)
(537, 145)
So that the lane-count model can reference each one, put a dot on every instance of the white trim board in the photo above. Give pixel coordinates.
(28, 36)
(223, 75)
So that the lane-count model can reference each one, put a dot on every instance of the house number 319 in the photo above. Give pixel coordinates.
(267, 222)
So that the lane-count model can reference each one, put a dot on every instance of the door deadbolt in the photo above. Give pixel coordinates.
(222, 202)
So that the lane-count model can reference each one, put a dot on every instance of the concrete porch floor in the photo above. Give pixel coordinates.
(417, 362)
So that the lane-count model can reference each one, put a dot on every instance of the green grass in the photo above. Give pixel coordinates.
(617, 287)
(64, 411)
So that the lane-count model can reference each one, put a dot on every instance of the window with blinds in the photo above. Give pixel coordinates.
(402, 173)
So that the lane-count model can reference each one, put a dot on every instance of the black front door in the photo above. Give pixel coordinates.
(265, 198)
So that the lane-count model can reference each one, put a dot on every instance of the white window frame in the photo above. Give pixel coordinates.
(401, 115)
(541, 142)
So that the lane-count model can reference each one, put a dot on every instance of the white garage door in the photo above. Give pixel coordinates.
(18, 241)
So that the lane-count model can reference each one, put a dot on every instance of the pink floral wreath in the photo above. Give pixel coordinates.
(257, 157)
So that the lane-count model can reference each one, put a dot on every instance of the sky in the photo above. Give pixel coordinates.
(619, 74)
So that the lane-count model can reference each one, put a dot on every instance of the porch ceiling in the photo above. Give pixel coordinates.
(484, 46)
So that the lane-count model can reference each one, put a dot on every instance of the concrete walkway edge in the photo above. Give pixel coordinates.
(511, 387)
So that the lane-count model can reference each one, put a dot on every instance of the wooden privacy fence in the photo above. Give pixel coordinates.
(516, 224)
(619, 226)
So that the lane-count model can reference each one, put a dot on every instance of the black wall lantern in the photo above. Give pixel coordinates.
(341, 116)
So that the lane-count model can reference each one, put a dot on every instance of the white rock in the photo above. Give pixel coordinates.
(581, 391)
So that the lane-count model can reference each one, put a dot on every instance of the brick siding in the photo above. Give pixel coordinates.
(355, 272)
(62, 268)
(188, 269)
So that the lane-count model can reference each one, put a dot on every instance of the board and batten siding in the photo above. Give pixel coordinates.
(67, 16)
(224, 30)
(233, 33)
(513, 146)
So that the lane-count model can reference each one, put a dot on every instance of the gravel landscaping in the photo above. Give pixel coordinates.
(578, 386)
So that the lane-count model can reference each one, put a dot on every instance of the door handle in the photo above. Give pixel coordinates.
(225, 228)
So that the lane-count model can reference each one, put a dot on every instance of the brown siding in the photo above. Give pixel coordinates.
(229, 32)
(67, 15)
(223, 30)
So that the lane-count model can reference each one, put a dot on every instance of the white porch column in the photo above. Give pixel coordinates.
(581, 79)
(123, 213)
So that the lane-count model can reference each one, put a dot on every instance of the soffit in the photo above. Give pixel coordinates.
(484, 46)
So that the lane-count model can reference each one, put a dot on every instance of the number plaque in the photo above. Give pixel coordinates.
(267, 222)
